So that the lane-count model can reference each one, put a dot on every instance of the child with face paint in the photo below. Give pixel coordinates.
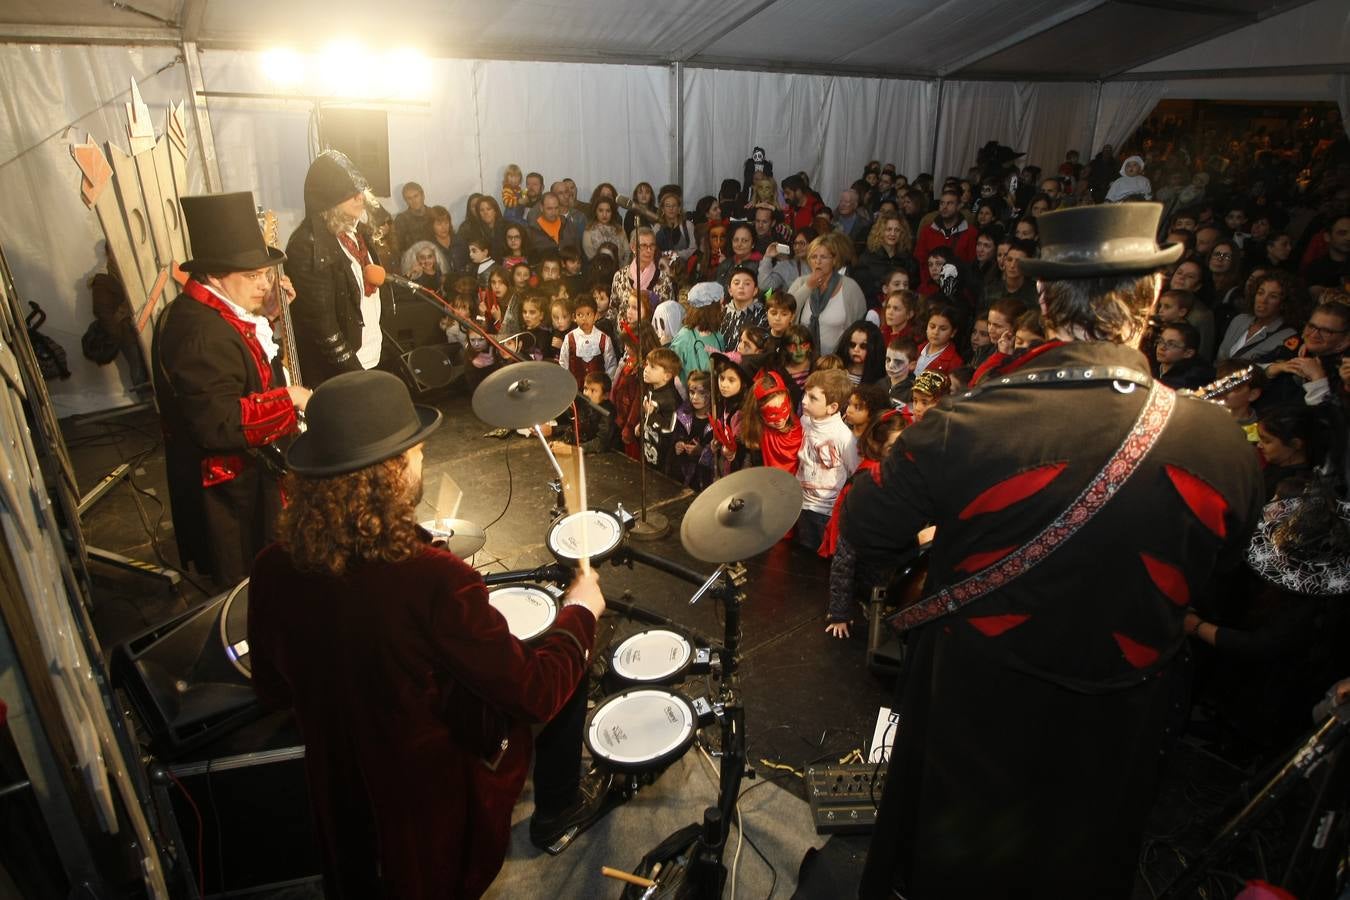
(693, 433)
(725, 452)
(899, 380)
(770, 425)
(799, 354)
(862, 350)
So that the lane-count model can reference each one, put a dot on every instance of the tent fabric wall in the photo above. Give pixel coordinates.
(1123, 107)
(56, 96)
(588, 123)
(591, 122)
(827, 126)
(1042, 118)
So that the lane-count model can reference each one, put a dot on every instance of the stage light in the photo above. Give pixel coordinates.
(283, 67)
(342, 65)
(402, 73)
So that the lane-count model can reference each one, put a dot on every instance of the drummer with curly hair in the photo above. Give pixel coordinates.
(414, 699)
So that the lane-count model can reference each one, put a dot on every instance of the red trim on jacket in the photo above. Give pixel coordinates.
(264, 416)
(1003, 364)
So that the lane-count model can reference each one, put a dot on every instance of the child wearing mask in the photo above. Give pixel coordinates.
(769, 427)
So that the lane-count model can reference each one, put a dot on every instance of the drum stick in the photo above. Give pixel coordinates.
(621, 875)
(581, 491)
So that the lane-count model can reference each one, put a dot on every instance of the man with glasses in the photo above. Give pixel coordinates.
(221, 391)
(1311, 370)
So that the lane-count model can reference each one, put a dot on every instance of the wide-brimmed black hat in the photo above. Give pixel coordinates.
(225, 234)
(1088, 241)
(356, 420)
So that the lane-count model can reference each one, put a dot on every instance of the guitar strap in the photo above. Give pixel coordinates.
(1107, 483)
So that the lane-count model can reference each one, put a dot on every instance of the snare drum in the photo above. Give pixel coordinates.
(604, 532)
(529, 609)
(657, 656)
(644, 729)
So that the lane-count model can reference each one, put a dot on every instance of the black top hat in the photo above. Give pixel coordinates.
(1088, 241)
(356, 420)
(225, 235)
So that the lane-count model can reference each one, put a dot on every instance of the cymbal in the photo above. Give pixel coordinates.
(741, 515)
(524, 394)
(462, 537)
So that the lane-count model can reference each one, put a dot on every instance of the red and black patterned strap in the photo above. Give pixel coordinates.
(1107, 483)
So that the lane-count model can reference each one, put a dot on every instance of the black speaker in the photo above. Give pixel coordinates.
(188, 679)
(362, 134)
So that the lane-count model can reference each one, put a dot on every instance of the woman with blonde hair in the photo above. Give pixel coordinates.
(889, 246)
(827, 300)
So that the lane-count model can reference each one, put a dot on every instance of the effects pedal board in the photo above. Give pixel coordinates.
(841, 797)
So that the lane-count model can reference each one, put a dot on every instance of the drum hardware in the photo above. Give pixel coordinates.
(460, 536)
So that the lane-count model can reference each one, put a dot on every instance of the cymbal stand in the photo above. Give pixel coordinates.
(705, 870)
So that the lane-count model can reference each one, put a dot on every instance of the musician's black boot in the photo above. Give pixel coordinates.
(555, 833)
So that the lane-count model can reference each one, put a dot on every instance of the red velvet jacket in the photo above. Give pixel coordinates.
(404, 681)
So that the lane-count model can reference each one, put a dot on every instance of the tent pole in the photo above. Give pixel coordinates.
(677, 122)
(1091, 148)
(206, 139)
(937, 127)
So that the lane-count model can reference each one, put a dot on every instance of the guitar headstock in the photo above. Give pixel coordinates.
(267, 222)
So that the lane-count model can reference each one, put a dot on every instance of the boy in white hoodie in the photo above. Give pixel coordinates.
(829, 453)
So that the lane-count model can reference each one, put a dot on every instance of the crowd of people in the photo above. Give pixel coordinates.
(766, 328)
(763, 326)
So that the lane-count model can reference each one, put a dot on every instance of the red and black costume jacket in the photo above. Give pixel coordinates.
(222, 394)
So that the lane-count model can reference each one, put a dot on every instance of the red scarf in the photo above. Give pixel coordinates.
(357, 247)
(1002, 363)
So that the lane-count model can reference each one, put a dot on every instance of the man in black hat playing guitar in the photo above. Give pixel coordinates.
(1079, 507)
(220, 389)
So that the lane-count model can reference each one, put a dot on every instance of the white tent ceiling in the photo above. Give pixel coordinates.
(1077, 40)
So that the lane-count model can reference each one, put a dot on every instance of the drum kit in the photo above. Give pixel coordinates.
(647, 723)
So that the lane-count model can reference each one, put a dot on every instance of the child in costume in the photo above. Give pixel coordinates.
(730, 386)
(692, 433)
(850, 580)
(587, 349)
(770, 428)
(660, 403)
(699, 335)
(827, 455)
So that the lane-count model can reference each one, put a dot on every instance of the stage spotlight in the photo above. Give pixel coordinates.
(337, 62)
(404, 73)
(283, 67)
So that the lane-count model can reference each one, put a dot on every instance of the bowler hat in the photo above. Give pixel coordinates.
(356, 420)
(1089, 241)
(225, 235)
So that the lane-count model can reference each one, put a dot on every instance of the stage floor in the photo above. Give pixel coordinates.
(808, 697)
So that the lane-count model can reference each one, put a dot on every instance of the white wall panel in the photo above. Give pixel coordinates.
(55, 95)
(826, 126)
(1044, 119)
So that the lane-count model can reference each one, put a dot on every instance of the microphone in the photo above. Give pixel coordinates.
(375, 274)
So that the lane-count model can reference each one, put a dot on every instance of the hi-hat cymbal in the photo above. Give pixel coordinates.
(741, 515)
(462, 537)
(524, 394)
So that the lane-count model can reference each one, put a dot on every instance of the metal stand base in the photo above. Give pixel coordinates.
(651, 527)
